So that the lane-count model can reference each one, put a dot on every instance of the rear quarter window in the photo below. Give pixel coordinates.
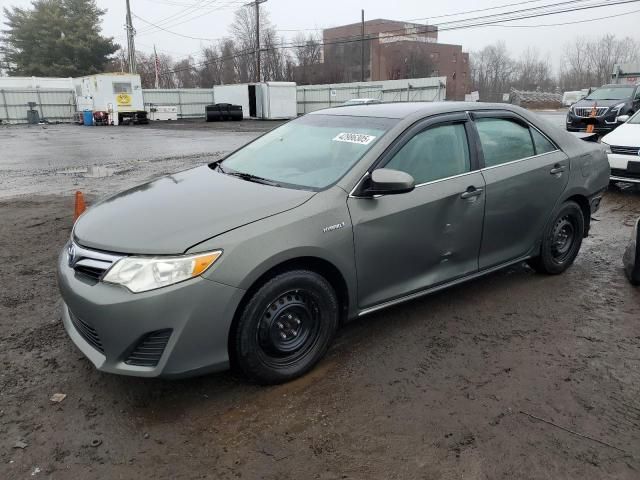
(543, 145)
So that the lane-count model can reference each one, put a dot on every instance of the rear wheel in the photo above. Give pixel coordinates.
(286, 327)
(562, 240)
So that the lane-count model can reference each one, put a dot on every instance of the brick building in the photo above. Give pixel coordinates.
(392, 50)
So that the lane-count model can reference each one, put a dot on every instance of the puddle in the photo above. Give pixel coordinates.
(94, 171)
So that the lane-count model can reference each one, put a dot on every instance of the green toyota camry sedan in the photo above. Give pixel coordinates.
(255, 260)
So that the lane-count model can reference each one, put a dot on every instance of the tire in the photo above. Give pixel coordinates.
(561, 241)
(286, 327)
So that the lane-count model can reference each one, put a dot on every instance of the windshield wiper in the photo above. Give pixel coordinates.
(252, 178)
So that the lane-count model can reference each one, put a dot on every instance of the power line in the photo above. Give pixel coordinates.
(486, 22)
(566, 23)
(197, 14)
(465, 12)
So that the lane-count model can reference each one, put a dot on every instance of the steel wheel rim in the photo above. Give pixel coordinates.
(563, 238)
(289, 328)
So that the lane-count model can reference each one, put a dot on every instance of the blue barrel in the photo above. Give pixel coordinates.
(87, 118)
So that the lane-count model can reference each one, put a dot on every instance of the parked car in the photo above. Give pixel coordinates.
(361, 101)
(623, 149)
(602, 107)
(256, 259)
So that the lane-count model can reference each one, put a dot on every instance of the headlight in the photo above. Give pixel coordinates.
(607, 147)
(140, 274)
(618, 107)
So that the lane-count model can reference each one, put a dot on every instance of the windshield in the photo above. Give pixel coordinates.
(313, 151)
(611, 93)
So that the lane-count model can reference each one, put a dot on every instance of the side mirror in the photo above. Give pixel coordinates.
(622, 118)
(385, 181)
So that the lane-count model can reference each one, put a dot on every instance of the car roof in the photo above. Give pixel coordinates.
(406, 109)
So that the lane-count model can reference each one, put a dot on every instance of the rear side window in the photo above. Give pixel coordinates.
(436, 153)
(503, 141)
(543, 145)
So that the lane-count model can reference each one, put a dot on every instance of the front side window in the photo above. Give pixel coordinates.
(313, 151)
(121, 87)
(503, 141)
(436, 153)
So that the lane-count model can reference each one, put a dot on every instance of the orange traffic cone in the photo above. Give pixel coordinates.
(80, 205)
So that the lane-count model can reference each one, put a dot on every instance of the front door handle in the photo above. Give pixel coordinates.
(471, 192)
(557, 168)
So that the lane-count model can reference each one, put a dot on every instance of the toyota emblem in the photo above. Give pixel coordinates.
(71, 253)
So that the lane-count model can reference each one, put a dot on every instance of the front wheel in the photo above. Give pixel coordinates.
(561, 241)
(286, 327)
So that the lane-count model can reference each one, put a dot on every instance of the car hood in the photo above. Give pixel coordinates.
(601, 103)
(175, 212)
(626, 135)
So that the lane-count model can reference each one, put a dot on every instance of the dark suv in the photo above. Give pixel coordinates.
(602, 106)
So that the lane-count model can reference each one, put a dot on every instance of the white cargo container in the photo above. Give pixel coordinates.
(276, 100)
(265, 100)
(163, 112)
(117, 94)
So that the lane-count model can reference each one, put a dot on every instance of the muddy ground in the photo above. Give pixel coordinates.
(513, 376)
(443, 387)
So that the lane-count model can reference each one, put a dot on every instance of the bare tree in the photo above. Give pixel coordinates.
(492, 71)
(533, 72)
(275, 57)
(210, 72)
(186, 74)
(589, 62)
(307, 52)
(243, 31)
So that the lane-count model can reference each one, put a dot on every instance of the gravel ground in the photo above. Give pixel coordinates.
(516, 375)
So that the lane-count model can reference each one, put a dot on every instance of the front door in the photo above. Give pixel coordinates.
(409, 242)
(525, 174)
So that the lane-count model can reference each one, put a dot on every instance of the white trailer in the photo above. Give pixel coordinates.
(264, 100)
(276, 100)
(118, 95)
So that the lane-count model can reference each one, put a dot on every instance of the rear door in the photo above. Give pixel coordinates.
(408, 242)
(525, 174)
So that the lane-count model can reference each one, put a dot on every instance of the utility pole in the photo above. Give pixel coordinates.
(257, 3)
(130, 43)
(362, 48)
(157, 66)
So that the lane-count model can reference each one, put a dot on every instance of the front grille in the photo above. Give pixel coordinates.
(149, 349)
(93, 273)
(618, 172)
(87, 332)
(586, 111)
(625, 150)
(88, 263)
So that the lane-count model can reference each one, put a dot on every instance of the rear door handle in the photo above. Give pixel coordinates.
(556, 169)
(471, 192)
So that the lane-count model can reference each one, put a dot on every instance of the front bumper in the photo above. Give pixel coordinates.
(624, 168)
(604, 124)
(108, 322)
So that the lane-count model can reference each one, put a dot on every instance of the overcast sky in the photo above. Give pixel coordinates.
(210, 19)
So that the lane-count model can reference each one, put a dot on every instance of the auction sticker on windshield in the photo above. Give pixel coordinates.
(359, 138)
